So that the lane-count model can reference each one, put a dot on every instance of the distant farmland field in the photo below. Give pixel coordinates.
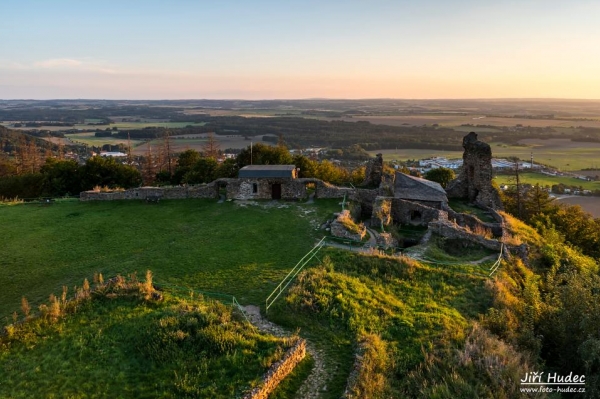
(545, 180)
(450, 120)
(589, 204)
(195, 142)
(118, 125)
(91, 140)
(178, 143)
(563, 154)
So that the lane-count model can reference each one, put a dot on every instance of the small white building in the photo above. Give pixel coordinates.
(115, 154)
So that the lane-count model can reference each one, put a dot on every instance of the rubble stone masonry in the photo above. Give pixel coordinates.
(474, 182)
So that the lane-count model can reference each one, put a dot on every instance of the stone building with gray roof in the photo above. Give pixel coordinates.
(422, 191)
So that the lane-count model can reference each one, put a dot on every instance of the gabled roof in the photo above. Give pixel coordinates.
(416, 189)
(267, 171)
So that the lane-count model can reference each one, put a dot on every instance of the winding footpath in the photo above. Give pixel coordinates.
(316, 381)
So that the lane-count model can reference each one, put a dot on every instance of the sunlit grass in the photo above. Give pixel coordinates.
(243, 251)
(128, 347)
(409, 304)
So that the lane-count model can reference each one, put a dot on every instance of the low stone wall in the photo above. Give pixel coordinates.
(339, 230)
(242, 189)
(142, 193)
(326, 190)
(473, 222)
(497, 217)
(451, 230)
(278, 371)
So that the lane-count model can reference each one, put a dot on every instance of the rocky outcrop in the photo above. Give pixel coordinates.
(474, 182)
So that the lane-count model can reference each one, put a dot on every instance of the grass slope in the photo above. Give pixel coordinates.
(126, 347)
(409, 305)
(243, 251)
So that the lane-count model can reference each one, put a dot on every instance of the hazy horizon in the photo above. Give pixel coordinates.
(265, 50)
(307, 99)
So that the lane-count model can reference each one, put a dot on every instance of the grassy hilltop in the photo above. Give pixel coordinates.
(421, 330)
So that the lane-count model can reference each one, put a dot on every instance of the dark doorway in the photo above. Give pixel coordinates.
(276, 191)
(415, 217)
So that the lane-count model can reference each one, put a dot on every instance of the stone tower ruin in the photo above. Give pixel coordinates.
(474, 183)
(374, 172)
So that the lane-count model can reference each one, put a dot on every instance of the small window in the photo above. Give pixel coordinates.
(254, 188)
(415, 216)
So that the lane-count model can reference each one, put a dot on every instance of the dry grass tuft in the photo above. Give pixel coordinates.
(11, 201)
(511, 239)
(349, 224)
(106, 189)
(480, 230)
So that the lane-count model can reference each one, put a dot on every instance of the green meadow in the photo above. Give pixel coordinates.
(238, 249)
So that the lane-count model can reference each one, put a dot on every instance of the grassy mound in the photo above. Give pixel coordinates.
(122, 343)
(399, 307)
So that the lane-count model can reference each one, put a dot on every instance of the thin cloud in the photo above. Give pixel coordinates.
(58, 63)
(63, 64)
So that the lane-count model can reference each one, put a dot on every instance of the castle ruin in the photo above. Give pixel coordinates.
(474, 183)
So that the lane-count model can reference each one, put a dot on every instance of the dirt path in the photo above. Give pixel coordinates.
(316, 381)
(372, 237)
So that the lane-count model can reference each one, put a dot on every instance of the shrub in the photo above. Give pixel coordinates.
(484, 367)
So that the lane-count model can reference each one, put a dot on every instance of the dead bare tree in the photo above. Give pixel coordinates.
(211, 148)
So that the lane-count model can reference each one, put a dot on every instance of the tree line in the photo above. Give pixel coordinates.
(54, 177)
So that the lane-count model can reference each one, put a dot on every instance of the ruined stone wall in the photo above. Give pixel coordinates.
(339, 230)
(374, 172)
(241, 189)
(278, 371)
(451, 230)
(294, 190)
(474, 224)
(382, 212)
(497, 217)
(386, 240)
(409, 212)
(474, 182)
(141, 193)
(326, 190)
(365, 198)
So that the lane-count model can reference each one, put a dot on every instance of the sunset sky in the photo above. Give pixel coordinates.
(178, 49)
